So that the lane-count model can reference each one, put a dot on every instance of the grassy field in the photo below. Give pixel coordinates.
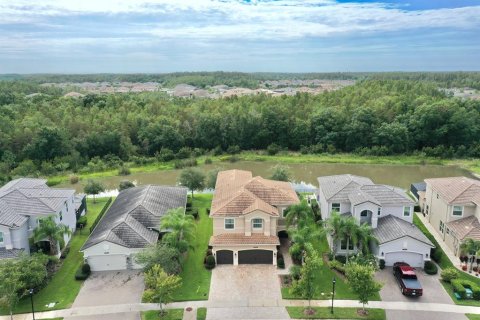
(172, 314)
(286, 157)
(63, 288)
(324, 281)
(338, 313)
(195, 278)
(472, 316)
(446, 263)
(201, 313)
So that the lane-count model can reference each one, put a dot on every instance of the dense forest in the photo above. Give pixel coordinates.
(49, 133)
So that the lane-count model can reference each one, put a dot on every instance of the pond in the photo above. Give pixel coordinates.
(303, 173)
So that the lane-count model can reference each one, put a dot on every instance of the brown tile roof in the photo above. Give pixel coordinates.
(242, 239)
(464, 228)
(238, 193)
(456, 189)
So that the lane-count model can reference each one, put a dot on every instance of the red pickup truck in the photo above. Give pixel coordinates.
(407, 279)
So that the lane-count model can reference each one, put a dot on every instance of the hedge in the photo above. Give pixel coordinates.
(83, 272)
(100, 215)
(430, 268)
(459, 286)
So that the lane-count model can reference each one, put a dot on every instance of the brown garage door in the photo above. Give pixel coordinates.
(224, 257)
(255, 257)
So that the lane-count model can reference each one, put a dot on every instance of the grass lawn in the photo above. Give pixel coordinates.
(201, 313)
(195, 278)
(338, 313)
(172, 314)
(446, 263)
(473, 316)
(324, 281)
(63, 288)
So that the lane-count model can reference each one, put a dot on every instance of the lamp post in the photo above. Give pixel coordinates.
(31, 299)
(333, 293)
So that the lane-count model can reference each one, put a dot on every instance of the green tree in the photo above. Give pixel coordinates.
(299, 214)
(125, 184)
(281, 173)
(334, 228)
(350, 232)
(49, 230)
(306, 284)
(364, 237)
(11, 286)
(160, 254)
(181, 229)
(193, 179)
(361, 281)
(160, 286)
(93, 187)
(211, 179)
(300, 238)
(471, 248)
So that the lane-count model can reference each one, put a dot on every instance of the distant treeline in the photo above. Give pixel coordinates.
(252, 80)
(50, 133)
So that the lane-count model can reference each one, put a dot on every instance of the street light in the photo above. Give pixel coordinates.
(31, 299)
(333, 293)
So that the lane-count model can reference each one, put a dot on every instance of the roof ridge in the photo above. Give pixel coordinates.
(239, 193)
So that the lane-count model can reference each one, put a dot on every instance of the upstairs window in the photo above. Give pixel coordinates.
(336, 207)
(229, 223)
(284, 212)
(457, 210)
(406, 211)
(257, 223)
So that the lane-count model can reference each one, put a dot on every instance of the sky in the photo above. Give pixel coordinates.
(157, 36)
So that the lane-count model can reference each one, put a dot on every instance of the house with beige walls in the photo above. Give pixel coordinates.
(247, 214)
(387, 209)
(452, 207)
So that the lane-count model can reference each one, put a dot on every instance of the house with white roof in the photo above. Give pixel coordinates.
(387, 209)
(22, 203)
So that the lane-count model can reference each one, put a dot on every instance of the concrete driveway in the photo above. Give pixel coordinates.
(433, 292)
(109, 288)
(254, 286)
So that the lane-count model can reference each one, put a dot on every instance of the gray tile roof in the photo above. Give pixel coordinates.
(135, 211)
(10, 253)
(387, 195)
(338, 187)
(25, 183)
(391, 228)
(9, 218)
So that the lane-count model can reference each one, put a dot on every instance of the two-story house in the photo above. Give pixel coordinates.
(22, 203)
(452, 207)
(388, 210)
(248, 213)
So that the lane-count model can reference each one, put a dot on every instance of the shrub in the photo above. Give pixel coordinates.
(341, 258)
(430, 267)
(65, 252)
(193, 212)
(330, 256)
(165, 155)
(233, 149)
(82, 222)
(337, 265)
(295, 272)
(449, 274)
(210, 262)
(208, 161)
(280, 261)
(436, 255)
(381, 264)
(123, 171)
(459, 288)
(184, 153)
(180, 164)
(125, 184)
(273, 149)
(83, 272)
(74, 179)
(86, 268)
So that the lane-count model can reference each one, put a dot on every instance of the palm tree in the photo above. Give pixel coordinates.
(364, 237)
(50, 230)
(349, 231)
(334, 228)
(181, 229)
(300, 238)
(471, 248)
(299, 214)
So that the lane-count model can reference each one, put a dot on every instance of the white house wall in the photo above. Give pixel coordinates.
(114, 250)
(19, 238)
(397, 212)
(405, 244)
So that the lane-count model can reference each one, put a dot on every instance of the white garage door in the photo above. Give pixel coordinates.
(107, 262)
(412, 258)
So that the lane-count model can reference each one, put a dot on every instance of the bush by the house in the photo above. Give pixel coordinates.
(381, 264)
(83, 272)
(341, 258)
(295, 272)
(430, 267)
(436, 255)
(82, 222)
(449, 274)
(65, 252)
(193, 212)
(280, 261)
(210, 262)
(337, 265)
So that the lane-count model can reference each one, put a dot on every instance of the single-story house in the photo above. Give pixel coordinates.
(129, 225)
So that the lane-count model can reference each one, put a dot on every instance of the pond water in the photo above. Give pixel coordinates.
(304, 174)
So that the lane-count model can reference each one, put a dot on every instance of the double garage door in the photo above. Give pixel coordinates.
(245, 257)
(413, 259)
(107, 262)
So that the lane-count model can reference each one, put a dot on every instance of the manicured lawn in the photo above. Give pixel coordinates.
(201, 313)
(338, 313)
(195, 278)
(472, 316)
(172, 314)
(446, 263)
(324, 281)
(63, 288)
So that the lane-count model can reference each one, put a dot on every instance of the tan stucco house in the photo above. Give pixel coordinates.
(452, 207)
(248, 213)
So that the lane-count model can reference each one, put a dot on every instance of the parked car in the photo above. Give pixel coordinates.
(407, 279)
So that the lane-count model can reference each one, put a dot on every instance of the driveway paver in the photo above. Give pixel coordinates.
(110, 288)
(433, 291)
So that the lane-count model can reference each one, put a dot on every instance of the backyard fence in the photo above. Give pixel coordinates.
(104, 209)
